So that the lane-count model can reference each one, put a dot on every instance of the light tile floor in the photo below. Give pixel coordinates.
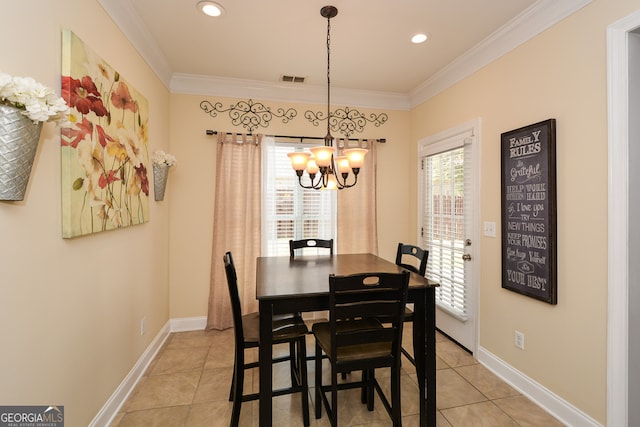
(187, 385)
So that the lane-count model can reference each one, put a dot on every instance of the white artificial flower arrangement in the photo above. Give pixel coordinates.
(162, 158)
(40, 103)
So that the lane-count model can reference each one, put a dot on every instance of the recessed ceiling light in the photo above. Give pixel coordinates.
(419, 38)
(210, 8)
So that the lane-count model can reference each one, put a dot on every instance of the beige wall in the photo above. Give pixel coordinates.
(560, 74)
(71, 309)
(191, 187)
(72, 330)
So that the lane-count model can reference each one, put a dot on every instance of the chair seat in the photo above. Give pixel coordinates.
(285, 328)
(322, 332)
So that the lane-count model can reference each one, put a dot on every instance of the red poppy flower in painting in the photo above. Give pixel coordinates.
(107, 179)
(73, 135)
(121, 98)
(103, 137)
(82, 94)
(141, 180)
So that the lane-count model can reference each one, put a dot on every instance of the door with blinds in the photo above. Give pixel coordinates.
(448, 225)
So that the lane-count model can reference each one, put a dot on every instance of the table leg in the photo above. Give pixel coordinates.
(424, 350)
(265, 354)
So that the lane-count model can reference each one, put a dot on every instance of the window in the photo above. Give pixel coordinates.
(288, 210)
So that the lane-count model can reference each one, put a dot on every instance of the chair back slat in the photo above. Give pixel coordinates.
(353, 310)
(310, 243)
(412, 258)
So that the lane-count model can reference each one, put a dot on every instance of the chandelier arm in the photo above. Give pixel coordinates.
(325, 179)
(344, 184)
(341, 185)
(337, 175)
(316, 185)
(313, 186)
(355, 180)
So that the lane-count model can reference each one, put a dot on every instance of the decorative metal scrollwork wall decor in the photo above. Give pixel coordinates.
(346, 121)
(253, 115)
(248, 114)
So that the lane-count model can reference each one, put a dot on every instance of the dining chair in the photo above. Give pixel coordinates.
(412, 258)
(364, 332)
(310, 243)
(286, 329)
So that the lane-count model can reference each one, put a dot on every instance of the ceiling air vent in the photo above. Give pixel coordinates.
(292, 79)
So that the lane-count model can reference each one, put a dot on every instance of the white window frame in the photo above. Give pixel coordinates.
(270, 246)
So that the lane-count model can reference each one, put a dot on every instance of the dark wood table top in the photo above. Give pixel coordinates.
(278, 277)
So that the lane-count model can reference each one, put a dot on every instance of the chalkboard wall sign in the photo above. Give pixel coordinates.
(529, 264)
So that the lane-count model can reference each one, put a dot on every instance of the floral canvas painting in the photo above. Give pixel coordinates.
(105, 184)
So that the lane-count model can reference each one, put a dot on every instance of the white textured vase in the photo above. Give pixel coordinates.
(160, 173)
(19, 138)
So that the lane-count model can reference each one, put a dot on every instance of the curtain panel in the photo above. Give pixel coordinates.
(357, 206)
(236, 224)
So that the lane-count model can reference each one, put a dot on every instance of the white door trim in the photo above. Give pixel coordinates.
(618, 256)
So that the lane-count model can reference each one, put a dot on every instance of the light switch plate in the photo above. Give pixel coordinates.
(489, 229)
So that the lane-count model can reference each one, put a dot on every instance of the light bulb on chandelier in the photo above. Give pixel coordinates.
(333, 168)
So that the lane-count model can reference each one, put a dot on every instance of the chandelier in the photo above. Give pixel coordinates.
(326, 166)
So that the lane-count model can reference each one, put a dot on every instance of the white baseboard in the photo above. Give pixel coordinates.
(184, 324)
(545, 398)
(117, 399)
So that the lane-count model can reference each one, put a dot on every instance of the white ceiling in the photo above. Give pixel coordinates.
(257, 41)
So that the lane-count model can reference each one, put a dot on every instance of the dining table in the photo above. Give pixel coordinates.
(301, 284)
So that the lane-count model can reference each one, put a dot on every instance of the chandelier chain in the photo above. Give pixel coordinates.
(328, 75)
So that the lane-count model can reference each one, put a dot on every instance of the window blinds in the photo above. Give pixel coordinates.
(444, 226)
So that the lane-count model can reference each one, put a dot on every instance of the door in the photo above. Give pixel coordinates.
(448, 224)
(623, 342)
(633, 148)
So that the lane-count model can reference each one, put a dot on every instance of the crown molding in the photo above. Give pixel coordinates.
(127, 19)
(286, 92)
(534, 20)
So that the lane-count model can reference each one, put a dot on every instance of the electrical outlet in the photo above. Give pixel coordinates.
(519, 340)
(143, 325)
